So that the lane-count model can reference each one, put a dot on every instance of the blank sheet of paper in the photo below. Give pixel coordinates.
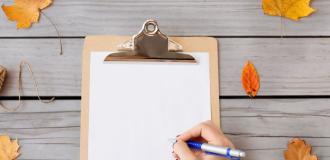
(136, 107)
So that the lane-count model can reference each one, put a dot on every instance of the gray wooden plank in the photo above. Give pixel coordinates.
(184, 17)
(255, 147)
(34, 106)
(49, 152)
(39, 120)
(276, 117)
(283, 117)
(47, 143)
(257, 117)
(286, 66)
(262, 127)
(273, 147)
(274, 107)
(45, 135)
(56, 75)
(293, 126)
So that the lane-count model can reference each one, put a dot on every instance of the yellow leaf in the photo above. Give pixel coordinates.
(299, 150)
(293, 9)
(8, 148)
(25, 12)
(250, 79)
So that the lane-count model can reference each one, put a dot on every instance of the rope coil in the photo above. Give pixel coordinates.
(3, 72)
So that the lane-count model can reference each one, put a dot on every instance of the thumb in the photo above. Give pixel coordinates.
(183, 151)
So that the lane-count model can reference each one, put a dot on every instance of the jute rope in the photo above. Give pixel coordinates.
(3, 73)
(19, 84)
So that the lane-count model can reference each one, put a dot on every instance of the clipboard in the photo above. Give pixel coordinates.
(110, 43)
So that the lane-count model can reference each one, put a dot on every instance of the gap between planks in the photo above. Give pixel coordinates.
(220, 97)
(215, 36)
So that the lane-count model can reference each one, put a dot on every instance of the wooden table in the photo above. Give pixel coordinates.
(293, 100)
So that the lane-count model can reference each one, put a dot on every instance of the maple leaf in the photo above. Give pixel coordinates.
(8, 148)
(250, 79)
(293, 9)
(299, 150)
(25, 12)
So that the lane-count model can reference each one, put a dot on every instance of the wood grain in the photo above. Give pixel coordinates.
(262, 127)
(184, 17)
(47, 143)
(255, 147)
(56, 75)
(276, 118)
(293, 66)
(273, 147)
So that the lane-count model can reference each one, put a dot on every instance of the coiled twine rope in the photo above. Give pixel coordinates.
(3, 73)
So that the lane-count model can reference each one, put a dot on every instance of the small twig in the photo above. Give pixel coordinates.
(57, 31)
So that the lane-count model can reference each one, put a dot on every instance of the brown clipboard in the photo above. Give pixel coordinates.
(110, 43)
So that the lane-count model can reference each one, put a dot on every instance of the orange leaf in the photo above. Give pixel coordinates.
(293, 9)
(250, 79)
(25, 12)
(8, 148)
(299, 150)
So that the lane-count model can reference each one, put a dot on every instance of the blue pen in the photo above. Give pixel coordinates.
(216, 150)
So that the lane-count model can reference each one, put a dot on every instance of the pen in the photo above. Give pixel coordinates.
(216, 150)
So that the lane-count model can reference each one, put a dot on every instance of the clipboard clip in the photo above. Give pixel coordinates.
(150, 45)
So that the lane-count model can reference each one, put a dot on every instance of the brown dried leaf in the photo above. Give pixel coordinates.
(299, 150)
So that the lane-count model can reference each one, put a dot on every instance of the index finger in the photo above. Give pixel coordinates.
(206, 130)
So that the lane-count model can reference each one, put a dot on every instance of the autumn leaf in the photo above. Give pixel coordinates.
(8, 148)
(299, 150)
(293, 9)
(250, 79)
(25, 12)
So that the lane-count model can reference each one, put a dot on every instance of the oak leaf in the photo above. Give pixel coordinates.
(299, 150)
(293, 9)
(8, 148)
(250, 79)
(25, 12)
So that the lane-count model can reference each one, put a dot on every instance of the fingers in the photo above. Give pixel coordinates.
(182, 150)
(207, 131)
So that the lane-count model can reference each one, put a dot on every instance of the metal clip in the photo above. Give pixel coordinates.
(150, 45)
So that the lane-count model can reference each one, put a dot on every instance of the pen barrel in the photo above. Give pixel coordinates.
(222, 150)
(195, 145)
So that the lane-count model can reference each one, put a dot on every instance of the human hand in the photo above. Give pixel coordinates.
(204, 132)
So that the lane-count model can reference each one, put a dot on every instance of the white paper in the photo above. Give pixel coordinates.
(136, 107)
